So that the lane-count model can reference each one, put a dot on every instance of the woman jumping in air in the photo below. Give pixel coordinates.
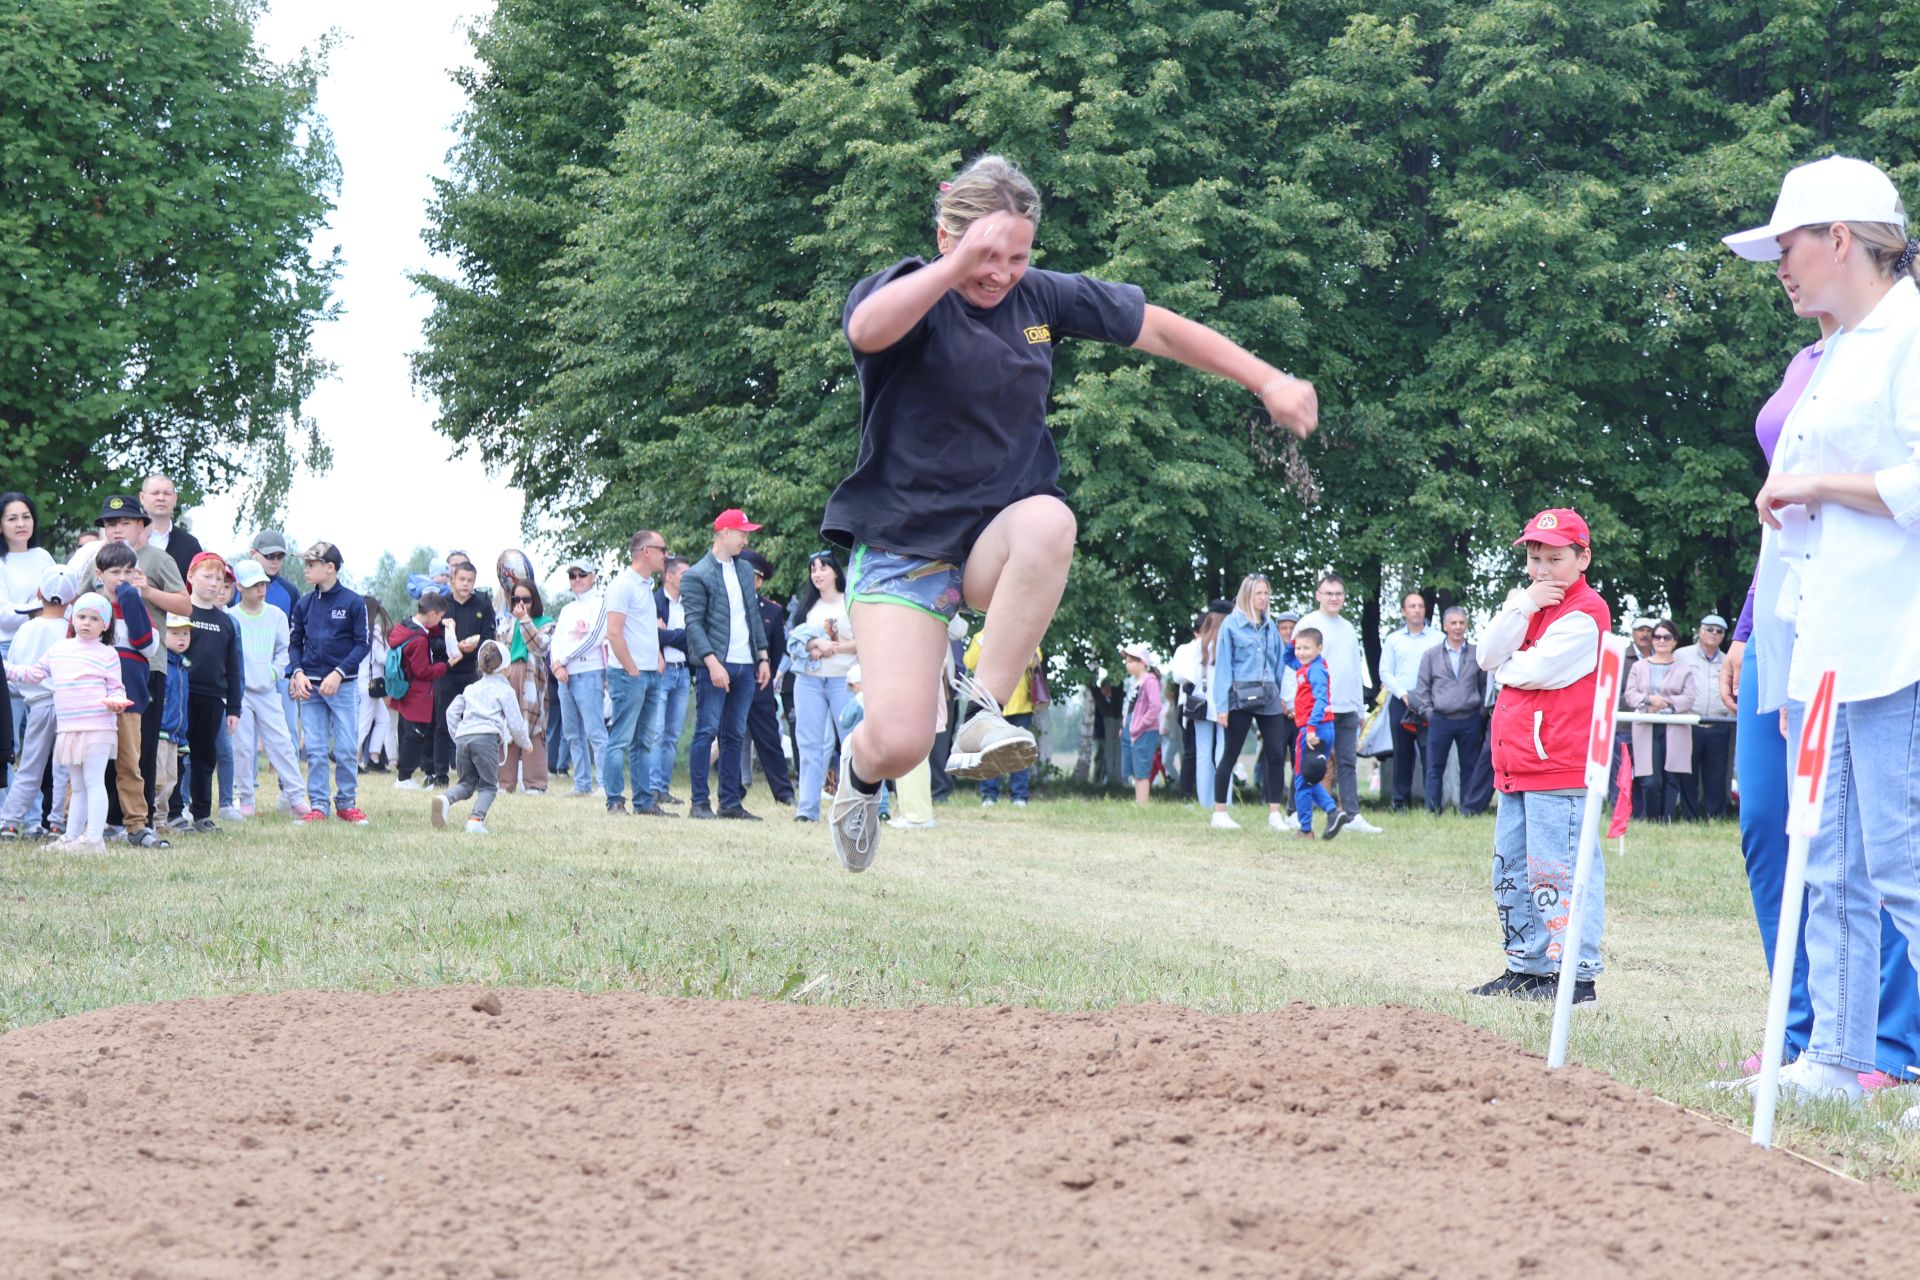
(955, 495)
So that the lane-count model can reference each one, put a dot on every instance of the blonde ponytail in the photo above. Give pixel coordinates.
(991, 184)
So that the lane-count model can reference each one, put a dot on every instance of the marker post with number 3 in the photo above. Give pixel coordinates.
(1606, 701)
(1803, 824)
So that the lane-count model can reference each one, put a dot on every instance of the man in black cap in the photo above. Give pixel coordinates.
(763, 718)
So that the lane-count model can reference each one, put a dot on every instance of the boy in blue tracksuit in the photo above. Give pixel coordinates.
(328, 641)
(1313, 712)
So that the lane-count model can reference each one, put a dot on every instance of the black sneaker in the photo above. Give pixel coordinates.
(739, 814)
(666, 797)
(1339, 819)
(1549, 990)
(1515, 984)
(650, 811)
(700, 811)
(616, 806)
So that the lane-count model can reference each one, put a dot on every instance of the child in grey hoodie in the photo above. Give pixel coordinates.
(480, 720)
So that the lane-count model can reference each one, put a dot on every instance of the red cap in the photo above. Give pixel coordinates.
(1556, 527)
(733, 518)
(213, 556)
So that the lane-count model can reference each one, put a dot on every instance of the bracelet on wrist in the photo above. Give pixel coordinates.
(1280, 381)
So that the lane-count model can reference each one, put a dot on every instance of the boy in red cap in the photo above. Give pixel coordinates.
(1544, 649)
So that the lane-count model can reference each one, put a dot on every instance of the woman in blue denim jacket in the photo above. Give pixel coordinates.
(1245, 691)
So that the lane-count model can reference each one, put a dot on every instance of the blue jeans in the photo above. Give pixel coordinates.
(721, 715)
(1534, 842)
(332, 722)
(1209, 744)
(1866, 857)
(673, 720)
(817, 703)
(223, 764)
(583, 709)
(637, 704)
(1018, 780)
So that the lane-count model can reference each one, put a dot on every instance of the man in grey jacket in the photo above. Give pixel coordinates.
(727, 654)
(1451, 690)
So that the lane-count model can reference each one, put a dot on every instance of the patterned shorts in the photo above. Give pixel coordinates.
(881, 577)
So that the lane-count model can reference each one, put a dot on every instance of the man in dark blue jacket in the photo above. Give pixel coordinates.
(328, 644)
(763, 718)
(675, 689)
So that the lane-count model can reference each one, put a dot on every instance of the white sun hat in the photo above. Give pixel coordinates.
(1837, 189)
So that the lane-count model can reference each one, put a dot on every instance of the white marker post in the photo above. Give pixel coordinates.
(1600, 759)
(1803, 824)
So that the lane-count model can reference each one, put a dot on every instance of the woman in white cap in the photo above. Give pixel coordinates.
(1841, 517)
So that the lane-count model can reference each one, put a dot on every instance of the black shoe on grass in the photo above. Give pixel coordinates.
(1523, 985)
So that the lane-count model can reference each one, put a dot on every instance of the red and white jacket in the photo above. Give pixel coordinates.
(1545, 660)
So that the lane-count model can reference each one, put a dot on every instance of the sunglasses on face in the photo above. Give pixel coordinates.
(1662, 635)
(523, 599)
(579, 573)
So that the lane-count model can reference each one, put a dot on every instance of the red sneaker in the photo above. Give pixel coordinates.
(311, 816)
(356, 817)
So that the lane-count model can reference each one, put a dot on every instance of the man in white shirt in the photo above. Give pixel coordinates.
(579, 652)
(634, 668)
(1347, 680)
(160, 500)
(1400, 655)
(1712, 743)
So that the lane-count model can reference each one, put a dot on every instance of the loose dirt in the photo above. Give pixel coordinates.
(542, 1133)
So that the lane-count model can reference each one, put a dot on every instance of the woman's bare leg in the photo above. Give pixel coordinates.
(902, 651)
(1015, 575)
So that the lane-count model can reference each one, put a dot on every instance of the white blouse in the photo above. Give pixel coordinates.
(1837, 587)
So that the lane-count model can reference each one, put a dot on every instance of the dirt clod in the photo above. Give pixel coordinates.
(726, 1138)
(488, 1003)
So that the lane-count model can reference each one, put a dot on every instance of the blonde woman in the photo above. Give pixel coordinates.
(1841, 528)
(955, 495)
(1244, 690)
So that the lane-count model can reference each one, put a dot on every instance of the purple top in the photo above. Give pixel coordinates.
(1766, 428)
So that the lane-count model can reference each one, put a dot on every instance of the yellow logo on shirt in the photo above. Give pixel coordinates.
(1038, 333)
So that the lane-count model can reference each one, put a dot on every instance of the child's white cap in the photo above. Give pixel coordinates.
(248, 573)
(95, 603)
(57, 586)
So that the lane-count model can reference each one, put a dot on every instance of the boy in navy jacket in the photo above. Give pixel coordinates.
(328, 643)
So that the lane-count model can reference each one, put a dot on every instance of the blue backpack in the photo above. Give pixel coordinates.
(396, 673)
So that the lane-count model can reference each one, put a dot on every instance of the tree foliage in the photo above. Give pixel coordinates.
(1488, 231)
(159, 183)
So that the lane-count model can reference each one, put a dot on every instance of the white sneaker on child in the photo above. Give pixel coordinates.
(406, 784)
(438, 811)
(475, 827)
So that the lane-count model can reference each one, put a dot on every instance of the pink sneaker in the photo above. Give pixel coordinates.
(1875, 1081)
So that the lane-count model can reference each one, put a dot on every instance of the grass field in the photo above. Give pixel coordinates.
(1069, 904)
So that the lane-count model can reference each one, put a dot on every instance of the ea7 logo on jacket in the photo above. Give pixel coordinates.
(1038, 333)
(338, 615)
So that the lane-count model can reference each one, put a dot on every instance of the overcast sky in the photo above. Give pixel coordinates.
(396, 483)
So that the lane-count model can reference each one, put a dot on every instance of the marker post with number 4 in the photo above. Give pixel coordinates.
(1606, 701)
(1803, 824)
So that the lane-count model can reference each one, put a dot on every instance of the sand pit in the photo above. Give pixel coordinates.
(550, 1133)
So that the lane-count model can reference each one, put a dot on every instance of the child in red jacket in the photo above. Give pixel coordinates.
(412, 640)
(1544, 648)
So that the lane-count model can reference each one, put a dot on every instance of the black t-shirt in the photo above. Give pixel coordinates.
(474, 618)
(215, 668)
(953, 417)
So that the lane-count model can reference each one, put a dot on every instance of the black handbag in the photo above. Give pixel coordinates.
(1247, 694)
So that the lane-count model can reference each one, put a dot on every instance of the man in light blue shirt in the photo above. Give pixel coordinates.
(1400, 655)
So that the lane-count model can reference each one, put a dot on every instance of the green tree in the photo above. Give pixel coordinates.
(159, 184)
(1487, 231)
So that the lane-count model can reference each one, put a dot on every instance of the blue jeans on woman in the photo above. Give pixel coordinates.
(1209, 742)
(1864, 868)
(583, 712)
(817, 704)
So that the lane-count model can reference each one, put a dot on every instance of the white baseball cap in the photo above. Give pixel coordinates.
(1837, 189)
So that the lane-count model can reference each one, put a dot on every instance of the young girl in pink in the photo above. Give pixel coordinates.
(84, 672)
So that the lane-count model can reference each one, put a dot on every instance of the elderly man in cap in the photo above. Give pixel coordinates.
(763, 718)
(727, 653)
(1712, 742)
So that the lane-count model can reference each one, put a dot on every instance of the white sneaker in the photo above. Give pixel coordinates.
(232, 814)
(906, 825)
(437, 810)
(1223, 821)
(1811, 1081)
(1360, 825)
(1909, 1122)
(988, 804)
(475, 827)
(406, 784)
(854, 819)
(1019, 804)
(1278, 821)
(986, 745)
